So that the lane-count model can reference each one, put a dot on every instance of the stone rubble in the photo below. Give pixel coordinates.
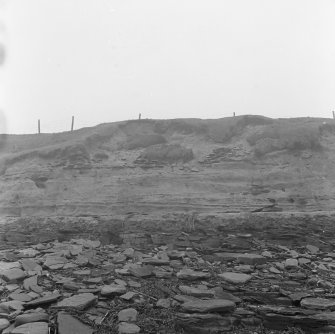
(82, 286)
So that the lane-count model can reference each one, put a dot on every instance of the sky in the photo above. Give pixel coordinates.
(109, 60)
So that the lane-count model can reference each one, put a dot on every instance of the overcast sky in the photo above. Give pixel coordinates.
(104, 60)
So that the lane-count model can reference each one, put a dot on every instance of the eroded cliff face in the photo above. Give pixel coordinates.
(159, 169)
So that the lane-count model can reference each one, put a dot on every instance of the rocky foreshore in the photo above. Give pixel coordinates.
(82, 286)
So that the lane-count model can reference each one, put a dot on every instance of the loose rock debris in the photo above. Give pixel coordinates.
(81, 286)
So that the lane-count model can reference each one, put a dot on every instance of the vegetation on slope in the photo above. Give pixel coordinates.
(224, 129)
(264, 135)
(167, 153)
(142, 141)
(292, 137)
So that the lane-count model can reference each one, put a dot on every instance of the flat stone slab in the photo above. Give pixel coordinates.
(312, 249)
(163, 303)
(124, 272)
(329, 317)
(67, 324)
(30, 265)
(303, 261)
(156, 262)
(81, 261)
(85, 272)
(120, 258)
(12, 287)
(128, 295)
(4, 266)
(185, 299)
(141, 271)
(204, 323)
(235, 278)
(207, 306)
(127, 328)
(113, 290)
(163, 274)
(129, 252)
(318, 303)
(31, 317)
(120, 282)
(274, 270)
(297, 296)
(87, 243)
(8, 307)
(291, 263)
(191, 291)
(43, 300)
(23, 297)
(221, 294)
(30, 284)
(4, 323)
(283, 321)
(78, 302)
(127, 315)
(244, 268)
(93, 280)
(53, 261)
(252, 259)
(31, 328)
(28, 252)
(191, 275)
(13, 275)
(175, 254)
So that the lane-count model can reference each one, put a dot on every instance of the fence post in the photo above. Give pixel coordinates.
(72, 123)
(333, 114)
(39, 126)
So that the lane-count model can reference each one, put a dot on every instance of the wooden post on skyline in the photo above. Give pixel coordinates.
(333, 114)
(39, 126)
(72, 123)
